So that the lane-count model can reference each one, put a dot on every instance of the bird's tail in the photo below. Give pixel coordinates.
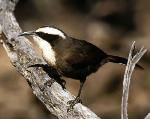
(120, 60)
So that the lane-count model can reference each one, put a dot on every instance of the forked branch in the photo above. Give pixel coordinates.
(132, 60)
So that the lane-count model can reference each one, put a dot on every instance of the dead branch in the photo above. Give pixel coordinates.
(148, 116)
(132, 60)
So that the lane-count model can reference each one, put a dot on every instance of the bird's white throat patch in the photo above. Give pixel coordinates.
(47, 50)
(51, 30)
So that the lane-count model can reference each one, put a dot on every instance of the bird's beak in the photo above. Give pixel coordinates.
(27, 33)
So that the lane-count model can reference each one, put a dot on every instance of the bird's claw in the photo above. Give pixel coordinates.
(73, 102)
(33, 65)
(63, 83)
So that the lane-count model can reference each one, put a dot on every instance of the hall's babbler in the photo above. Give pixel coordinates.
(71, 57)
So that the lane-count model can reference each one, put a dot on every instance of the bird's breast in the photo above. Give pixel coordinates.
(49, 56)
(47, 50)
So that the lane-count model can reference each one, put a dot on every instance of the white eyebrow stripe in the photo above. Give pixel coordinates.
(53, 31)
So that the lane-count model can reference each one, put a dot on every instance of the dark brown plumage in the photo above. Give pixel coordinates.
(74, 58)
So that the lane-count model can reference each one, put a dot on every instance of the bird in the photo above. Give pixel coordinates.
(71, 57)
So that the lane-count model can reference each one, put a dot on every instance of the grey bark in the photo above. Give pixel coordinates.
(147, 116)
(132, 61)
(50, 94)
(22, 55)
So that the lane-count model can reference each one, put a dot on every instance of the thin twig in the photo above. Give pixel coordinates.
(132, 60)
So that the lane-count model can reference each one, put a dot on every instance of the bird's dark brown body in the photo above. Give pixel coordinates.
(72, 58)
(77, 58)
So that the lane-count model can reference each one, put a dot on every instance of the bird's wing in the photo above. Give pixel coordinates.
(82, 54)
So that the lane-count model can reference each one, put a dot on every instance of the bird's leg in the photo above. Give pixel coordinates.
(52, 72)
(62, 82)
(77, 99)
(36, 65)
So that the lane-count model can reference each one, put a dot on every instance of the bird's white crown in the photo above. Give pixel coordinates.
(52, 31)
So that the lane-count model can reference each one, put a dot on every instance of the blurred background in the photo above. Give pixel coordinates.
(112, 25)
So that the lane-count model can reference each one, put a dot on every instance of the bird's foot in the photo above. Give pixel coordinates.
(52, 73)
(73, 102)
(36, 65)
(62, 82)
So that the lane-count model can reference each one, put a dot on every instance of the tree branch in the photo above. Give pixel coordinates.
(22, 55)
(148, 116)
(132, 60)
